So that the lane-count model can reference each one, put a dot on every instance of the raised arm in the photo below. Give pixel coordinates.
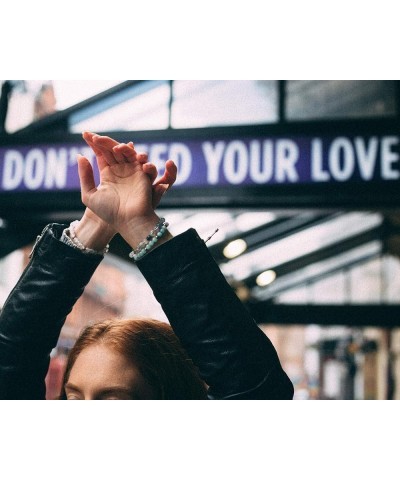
(233, 355)
(35, 311)
(127, 195)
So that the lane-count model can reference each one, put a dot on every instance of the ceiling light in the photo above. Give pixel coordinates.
(265, 278)
(235, 248)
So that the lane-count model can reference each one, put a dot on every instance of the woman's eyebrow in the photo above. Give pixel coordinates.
(117, 390)
(71, 386)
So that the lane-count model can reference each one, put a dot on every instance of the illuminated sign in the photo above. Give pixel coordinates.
(241, 161)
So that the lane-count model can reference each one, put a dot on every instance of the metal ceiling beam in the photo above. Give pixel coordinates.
(377, 233)
(271, 232)
(327, 315)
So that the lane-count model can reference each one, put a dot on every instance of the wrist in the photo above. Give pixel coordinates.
(93, 232)
(137, 231)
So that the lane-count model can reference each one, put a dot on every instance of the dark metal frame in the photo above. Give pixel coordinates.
(352, 196)
(28, 212)
(327, 315)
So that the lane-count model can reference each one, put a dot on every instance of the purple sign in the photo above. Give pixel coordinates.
(226, 162)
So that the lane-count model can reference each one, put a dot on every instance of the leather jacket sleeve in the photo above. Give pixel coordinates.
(35, 311)
(234, 357)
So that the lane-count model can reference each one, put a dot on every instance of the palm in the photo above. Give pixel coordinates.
(125, 190)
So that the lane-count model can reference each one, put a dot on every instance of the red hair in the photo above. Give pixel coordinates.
(153, 348)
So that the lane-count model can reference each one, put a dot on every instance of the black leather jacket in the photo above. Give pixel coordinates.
(233, 355)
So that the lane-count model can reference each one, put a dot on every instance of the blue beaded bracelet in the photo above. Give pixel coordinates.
(152, 238)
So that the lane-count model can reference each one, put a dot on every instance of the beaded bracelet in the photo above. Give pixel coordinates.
(149, 242)
(78, 244)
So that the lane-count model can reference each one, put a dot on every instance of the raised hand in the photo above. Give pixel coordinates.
(125, 191)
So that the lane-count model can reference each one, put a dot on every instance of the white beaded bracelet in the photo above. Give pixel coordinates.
(78, 244)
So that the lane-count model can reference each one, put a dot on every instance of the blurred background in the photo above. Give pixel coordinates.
(300, 177)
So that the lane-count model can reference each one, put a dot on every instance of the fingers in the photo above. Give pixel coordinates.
(88, 137)
(165, 182)
(125, 153)
(86, 178)
(170, 174)
(104, 141)
(106, 145)
(109, 152)
(150, 170)
(128, 154)
(118, 153)
(169, 177)
(158, 192)
(101, 161)
(142, 157)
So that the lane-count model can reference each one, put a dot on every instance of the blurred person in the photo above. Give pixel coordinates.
(211, 347)
(45, 102)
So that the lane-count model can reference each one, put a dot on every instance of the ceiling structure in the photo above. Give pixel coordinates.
(267, 243)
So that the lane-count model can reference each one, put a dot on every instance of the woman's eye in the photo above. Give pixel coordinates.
(116, 397)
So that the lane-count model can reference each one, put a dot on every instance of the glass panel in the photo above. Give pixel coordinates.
(229, 223)
(28, 100)
(331, 290)
(366, 283)
(146, 109)
(317, 270)
(375, 281)
(301, 244)
(71, 92)
(32, 100)
(391, 279)
(208, 103)
(329, 99)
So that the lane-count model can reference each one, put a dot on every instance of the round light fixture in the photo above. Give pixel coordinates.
(265, 278)
(235, 248)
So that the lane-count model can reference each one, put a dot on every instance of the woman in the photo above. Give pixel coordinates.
(233, 358)
(141, 359)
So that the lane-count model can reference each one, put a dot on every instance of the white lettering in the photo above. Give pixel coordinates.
(182, 157)
(388, 158)
(366, 156)
(318, 174)
(56, 169)
(13, 169)
(261, 169)
(35, 168)
(287, 155)
(236, 162)
(341, 159)
(157, 155)
(85, 151)
(213, 157)
(141, 148)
